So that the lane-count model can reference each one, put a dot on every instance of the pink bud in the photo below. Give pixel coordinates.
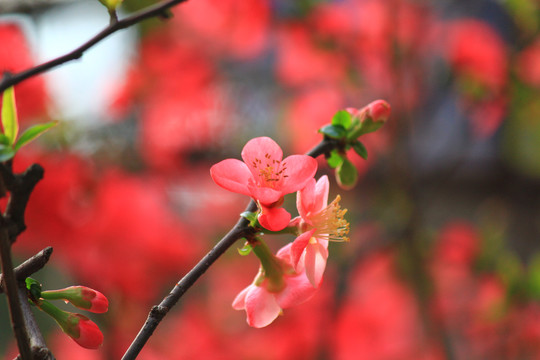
(84, 331)
(378, 111)
(80, 296)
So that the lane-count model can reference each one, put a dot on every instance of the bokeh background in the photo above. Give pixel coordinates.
(443, 261)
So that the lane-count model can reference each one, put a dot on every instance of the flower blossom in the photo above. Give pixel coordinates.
(266, 177)
(319, 223)
(263, 301)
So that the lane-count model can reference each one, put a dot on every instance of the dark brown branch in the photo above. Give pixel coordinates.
(30, 266)
(159, 10)
(20, 186)
(11, 289)
(240, 230)
(38, 348)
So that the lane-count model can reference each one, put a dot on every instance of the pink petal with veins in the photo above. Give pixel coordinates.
(261, 307)
(315, 263)
(232, 175)
(300, 169)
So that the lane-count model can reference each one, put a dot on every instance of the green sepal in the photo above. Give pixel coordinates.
(251, 217)
(32, 133)
(6, 153)
(335, 159)
(334, 131)
(346, 174)
(360, 149)
(365, 126)
(10, 122)
(34, 288)
(246, 250)
(342, 118)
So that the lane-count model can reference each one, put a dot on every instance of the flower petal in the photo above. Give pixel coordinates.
(304, 199)
(274, 219)
(261, 307)
(315, 263)
(297, 291)
(264, 195)
(298, 247)
(239, 302)
(260, 149)
(233, 175)
(300, 169)
(321, 194)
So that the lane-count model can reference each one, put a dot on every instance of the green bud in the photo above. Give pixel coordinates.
(346, 175)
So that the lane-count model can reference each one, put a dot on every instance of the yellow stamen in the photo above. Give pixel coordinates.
(271, 171)
(330, 223)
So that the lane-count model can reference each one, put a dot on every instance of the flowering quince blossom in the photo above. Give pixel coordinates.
(266, 177)
(318, 223)
(263, 301)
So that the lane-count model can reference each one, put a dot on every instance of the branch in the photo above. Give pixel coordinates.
(30, 266)
(12, 291)
(159, 10)
(20, 186)
(240, 230)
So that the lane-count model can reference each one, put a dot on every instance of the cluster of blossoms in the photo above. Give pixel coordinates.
(294, 274)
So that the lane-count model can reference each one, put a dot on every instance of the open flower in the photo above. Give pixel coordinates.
(264, 301)
(318, 223)
(266, 177)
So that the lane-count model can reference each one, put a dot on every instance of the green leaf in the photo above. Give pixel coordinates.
(4, 140)
(360, 149)
(6, 153)
(346, 175)
(245, 250)
(333, 131)
(34, 287)
(335, 159)
(32, 133)
(342, 118)
(9, 115)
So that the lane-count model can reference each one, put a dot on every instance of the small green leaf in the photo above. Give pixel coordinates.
(9, 115)
(4, 140)
(34, 287)
(360, 149)
(245, 250)
(335, 159)
(6, 153)
(346, 175)
(342, 118)
(333, 131)
(32, 133)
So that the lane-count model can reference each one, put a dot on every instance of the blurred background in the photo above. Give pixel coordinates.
(443, 261)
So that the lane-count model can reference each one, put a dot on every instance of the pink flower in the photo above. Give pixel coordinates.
(263, 303)
(81, 297)
(319, 223)
(266, 177)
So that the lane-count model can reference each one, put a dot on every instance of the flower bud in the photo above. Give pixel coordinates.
(368, 119)
(78, 327)
(81, 297)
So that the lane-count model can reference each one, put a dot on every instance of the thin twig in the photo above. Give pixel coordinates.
(159, 10)
(240, 230)
(31, 265)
